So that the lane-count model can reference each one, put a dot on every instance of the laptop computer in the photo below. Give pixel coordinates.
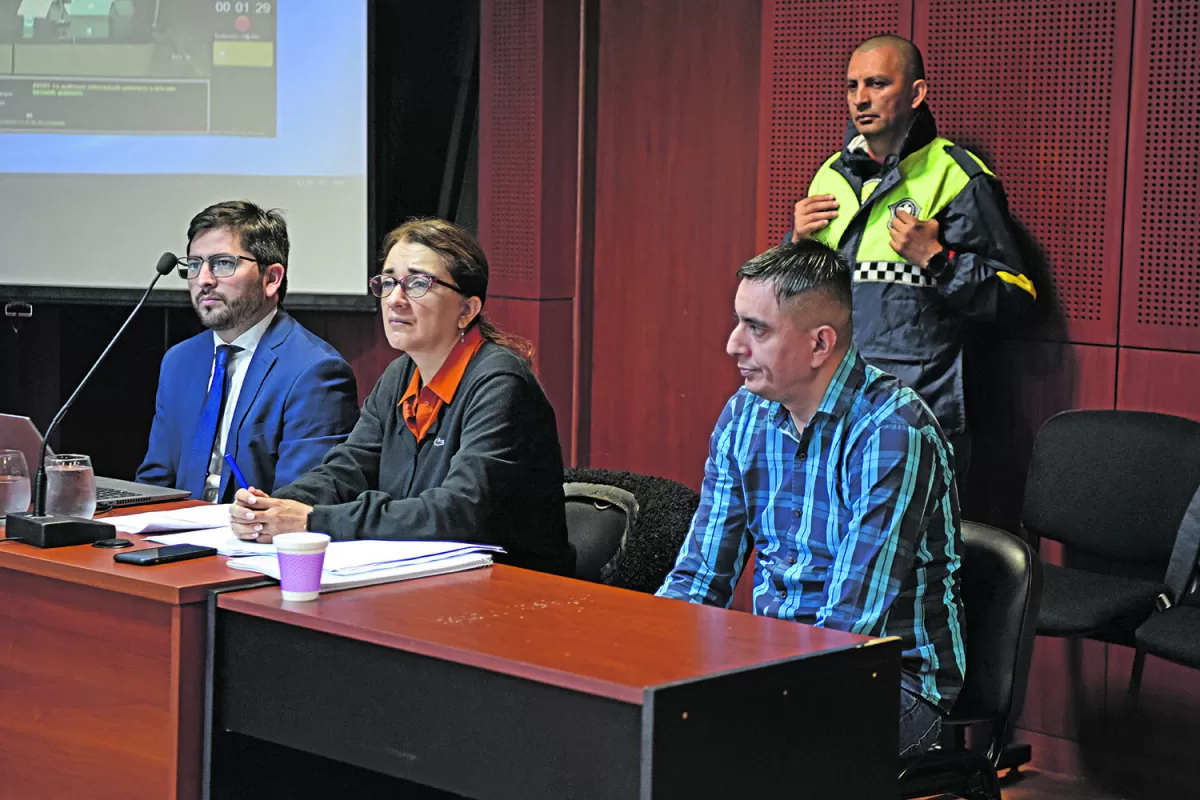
(19, 433)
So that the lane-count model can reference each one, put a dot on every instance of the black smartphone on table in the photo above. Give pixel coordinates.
(164, 555)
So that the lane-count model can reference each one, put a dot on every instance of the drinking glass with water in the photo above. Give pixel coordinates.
(70, 486)
(14, 482)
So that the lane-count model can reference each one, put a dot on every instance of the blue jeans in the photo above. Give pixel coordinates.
(920, 723)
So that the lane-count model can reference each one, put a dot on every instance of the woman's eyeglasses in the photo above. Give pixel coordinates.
(415, 284)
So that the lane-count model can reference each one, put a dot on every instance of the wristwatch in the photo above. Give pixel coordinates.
(938, 264)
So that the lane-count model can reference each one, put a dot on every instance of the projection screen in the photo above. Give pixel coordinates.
(120, 119)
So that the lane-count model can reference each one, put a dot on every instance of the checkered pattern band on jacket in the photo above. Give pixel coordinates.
(891, 272)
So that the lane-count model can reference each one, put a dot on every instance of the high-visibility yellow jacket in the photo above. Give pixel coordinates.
(906, 321)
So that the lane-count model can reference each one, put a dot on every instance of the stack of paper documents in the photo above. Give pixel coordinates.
(179, 519)
(365, 562)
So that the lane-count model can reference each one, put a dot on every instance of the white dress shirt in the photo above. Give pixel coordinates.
(239, 364)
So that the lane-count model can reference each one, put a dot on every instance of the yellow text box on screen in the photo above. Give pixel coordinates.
(243, 54)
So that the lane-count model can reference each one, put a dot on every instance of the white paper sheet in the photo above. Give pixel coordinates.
(180, 519)
(332, 582)
(343, 558)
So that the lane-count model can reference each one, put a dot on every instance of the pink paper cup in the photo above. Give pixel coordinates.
(301, 556)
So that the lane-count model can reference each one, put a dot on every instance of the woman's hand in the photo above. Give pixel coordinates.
(257, 516)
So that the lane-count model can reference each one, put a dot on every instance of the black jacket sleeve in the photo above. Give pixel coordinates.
(987, 280)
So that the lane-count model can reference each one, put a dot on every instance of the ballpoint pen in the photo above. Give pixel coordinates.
(237, 473)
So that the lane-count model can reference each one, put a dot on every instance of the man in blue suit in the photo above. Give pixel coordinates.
(260, 387)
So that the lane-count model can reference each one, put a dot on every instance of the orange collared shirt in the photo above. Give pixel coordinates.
(421, 404)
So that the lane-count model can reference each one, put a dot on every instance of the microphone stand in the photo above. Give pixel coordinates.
(56, 530)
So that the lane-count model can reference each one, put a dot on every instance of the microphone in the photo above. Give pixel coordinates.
(55, 530)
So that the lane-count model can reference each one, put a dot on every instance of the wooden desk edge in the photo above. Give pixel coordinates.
(10, 558)
(621, 692)
(25, 558)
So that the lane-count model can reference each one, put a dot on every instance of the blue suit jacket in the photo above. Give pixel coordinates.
(298, 399)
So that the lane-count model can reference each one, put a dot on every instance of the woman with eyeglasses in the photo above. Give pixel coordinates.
(457, 441)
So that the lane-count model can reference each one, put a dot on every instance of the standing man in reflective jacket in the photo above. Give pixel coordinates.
(924, 225)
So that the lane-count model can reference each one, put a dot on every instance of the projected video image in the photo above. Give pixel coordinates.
(138, 66)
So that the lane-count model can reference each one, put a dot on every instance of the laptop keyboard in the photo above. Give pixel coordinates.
(106, 494)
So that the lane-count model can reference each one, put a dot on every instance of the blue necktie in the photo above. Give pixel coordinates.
(210, 417)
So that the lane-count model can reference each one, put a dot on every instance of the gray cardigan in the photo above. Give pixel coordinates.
(489, 470)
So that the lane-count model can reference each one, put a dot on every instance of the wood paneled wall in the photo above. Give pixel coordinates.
(676, 203)
(529, 172)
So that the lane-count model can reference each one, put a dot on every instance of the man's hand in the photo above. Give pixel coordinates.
(813, 213)
(258, 516)
(915, 240)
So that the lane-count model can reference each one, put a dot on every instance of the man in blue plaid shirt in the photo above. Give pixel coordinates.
(839, 478)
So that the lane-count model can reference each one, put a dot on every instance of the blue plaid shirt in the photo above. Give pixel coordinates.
(854, 521)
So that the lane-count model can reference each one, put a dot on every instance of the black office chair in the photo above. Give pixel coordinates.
(1113, 487)
(1001, 587)
(599, 520)
(1174, 634)
(632, 546)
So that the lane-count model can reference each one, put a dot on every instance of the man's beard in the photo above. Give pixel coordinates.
(233, 313)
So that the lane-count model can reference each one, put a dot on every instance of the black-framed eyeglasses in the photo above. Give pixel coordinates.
(415, 284)
(222, 265)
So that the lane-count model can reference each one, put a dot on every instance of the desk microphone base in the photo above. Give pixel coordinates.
(55, 530)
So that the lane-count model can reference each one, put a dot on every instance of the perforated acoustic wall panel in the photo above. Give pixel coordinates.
(1039, 90)
(803, 103)
(528, 145)
(528, 167)
(510, 142)
(1160, 294)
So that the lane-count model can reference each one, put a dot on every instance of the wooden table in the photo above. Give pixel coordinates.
(505, 683)
(101, 670)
